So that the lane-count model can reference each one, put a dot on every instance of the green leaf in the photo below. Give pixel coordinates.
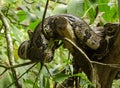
(15, 31)
(60, 9)
(110, 11)
(27, 83)
(90, 11)
(93, 1)
(10, 1)
(6, 80)
(84, 77)
(48, 84)
(60, 77)
(41, 81)
(76, 7)
(22, 15)
(34, 24)
(31, 16)
(81, 75)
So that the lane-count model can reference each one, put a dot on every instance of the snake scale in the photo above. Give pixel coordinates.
(43, 42)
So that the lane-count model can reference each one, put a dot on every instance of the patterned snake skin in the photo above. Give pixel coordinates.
(43, 43)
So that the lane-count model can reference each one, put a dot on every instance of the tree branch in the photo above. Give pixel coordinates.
(117, 66)
(9, 47)
(14, 66)
(44, 14)
(22, 74)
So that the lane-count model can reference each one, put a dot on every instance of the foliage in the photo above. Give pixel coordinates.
(26, 14)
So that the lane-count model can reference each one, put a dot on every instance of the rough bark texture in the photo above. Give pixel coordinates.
(106, 74)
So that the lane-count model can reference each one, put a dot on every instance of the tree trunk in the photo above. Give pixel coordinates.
(107, 74)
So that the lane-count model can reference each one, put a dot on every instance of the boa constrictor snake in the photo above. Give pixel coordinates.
(43, 42)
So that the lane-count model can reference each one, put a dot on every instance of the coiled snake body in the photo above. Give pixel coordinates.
(43, 42)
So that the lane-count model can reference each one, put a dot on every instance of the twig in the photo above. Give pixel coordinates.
(9, 46)
(42, 64)
(117, 66)
(3, 66)
(7, 9)
(44, 14)
(48, 70)
(19, 65)
(78, 49)
(22, 74)
(14, 66)
(3, 72)
(29, 2)
(60, 2)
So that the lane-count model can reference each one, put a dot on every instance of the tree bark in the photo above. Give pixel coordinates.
(107, 74)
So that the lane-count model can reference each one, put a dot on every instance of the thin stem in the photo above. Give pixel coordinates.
(19, 65)
(42, 64)
(22, 74)
(78, 49)
(3, 72)
(48, 70)
(44, 14)
(14, 66)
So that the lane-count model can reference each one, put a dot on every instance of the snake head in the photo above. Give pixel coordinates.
(35, 54)
(23, 48)
(37, 49)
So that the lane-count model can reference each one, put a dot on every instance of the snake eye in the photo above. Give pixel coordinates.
(22, 51)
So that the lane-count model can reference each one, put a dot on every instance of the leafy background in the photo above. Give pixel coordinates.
(23, 15)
